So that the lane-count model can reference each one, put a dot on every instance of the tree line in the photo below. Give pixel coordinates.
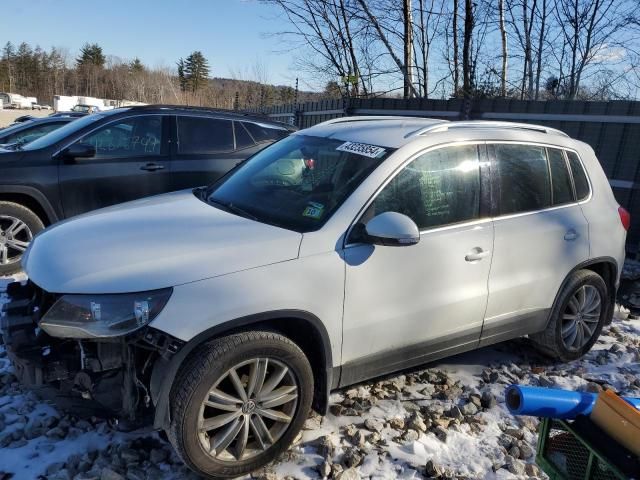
(524, 49)
(33, 71)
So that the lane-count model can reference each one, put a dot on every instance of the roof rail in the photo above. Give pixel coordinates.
(443, 127)
(365, 118)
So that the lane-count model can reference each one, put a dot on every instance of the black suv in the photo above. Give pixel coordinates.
(115, 156)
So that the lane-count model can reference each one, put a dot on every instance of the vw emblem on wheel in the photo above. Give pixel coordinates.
(248, 407)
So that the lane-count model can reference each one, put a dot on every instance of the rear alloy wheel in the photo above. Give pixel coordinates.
(238, 402)
(577, 318)
(581, 317)
(18, 225)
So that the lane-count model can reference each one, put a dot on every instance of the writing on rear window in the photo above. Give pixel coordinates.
(363, 149)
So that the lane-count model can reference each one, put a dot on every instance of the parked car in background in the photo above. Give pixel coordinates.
(115, 156)
(349, 250)
(35, 106)
(68, 114)
(30, 129)
(80, 108)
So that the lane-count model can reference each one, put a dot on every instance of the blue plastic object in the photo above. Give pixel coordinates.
(552, 403)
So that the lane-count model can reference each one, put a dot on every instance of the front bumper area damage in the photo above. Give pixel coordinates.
(109, 377)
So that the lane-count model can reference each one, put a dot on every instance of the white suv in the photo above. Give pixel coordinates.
(349, 250)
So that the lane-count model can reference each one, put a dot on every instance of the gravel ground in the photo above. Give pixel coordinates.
(445, 421)
(7, 117)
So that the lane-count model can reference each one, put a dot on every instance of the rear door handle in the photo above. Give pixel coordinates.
(571, 235)
(152, 167)
(477, 254)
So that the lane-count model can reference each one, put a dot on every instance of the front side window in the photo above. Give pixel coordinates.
(298, 182)
(203, 135)
(579, 176)
(131, 137)
(441, 187)
(562, 190)
(523, 178)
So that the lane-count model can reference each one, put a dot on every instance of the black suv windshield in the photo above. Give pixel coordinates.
(297, 183)
(62, 132)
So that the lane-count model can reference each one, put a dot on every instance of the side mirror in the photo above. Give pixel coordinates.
(78, 150)
(392, 229)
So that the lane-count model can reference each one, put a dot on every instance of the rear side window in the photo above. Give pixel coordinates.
(579, 176)
(562, 190)
(202, 135)
(441, 187)
(523, 178)
(263, 133)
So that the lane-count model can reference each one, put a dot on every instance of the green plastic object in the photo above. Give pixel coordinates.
(564, 455)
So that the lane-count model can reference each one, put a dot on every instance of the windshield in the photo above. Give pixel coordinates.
(297, 183)
(61, 133)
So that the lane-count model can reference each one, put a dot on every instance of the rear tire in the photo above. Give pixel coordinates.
(18, 226)
(577, 318)
(208, 389)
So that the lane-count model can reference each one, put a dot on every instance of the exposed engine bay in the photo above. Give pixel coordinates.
(112, 376)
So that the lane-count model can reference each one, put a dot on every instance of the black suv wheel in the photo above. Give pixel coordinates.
(18, 226)
(239, 402)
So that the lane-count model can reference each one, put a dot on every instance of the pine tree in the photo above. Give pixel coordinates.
(182, 80)
(136, 66)
(91, 55)
(8, 54)
(196, 70)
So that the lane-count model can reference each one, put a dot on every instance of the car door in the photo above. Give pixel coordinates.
(541, 234)
(207, 148)
(405, 305)
(131, 161)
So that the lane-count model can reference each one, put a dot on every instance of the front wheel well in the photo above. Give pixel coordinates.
(304, 330)
(28, 202)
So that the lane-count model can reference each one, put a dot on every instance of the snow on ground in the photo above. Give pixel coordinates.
(445, 421)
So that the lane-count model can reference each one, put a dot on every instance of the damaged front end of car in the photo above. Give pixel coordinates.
(96, 351)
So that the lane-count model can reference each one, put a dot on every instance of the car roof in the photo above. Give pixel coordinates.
(396, 131)
(207, 111)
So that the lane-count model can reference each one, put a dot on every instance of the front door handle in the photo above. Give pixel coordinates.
(152, 167)
(477, 254)
(571, 235)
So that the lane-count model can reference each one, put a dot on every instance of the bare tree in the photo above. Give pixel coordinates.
(587, 27)
(467, 65)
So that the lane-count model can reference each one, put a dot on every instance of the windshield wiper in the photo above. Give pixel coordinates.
(233, 209)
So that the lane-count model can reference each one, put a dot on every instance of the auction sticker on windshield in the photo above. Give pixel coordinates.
(363, 149)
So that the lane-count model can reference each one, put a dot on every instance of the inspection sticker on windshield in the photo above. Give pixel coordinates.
(363, 149)
(313, 210)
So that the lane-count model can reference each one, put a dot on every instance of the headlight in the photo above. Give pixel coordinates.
(100, 316)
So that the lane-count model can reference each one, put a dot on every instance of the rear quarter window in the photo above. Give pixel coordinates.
(579, 176)
(263, 133)
(562, 190)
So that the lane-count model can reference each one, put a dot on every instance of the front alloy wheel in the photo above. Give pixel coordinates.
(248, 409)
(238, 402)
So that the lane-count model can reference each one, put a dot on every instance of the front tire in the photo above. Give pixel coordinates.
(577, 318)
(238, 402)
(18, 226)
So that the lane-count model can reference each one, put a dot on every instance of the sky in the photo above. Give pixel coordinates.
(234, 35)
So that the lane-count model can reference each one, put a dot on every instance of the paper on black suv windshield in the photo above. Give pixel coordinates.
(364, 149)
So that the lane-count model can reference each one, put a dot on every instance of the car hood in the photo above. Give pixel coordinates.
(152, 243)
